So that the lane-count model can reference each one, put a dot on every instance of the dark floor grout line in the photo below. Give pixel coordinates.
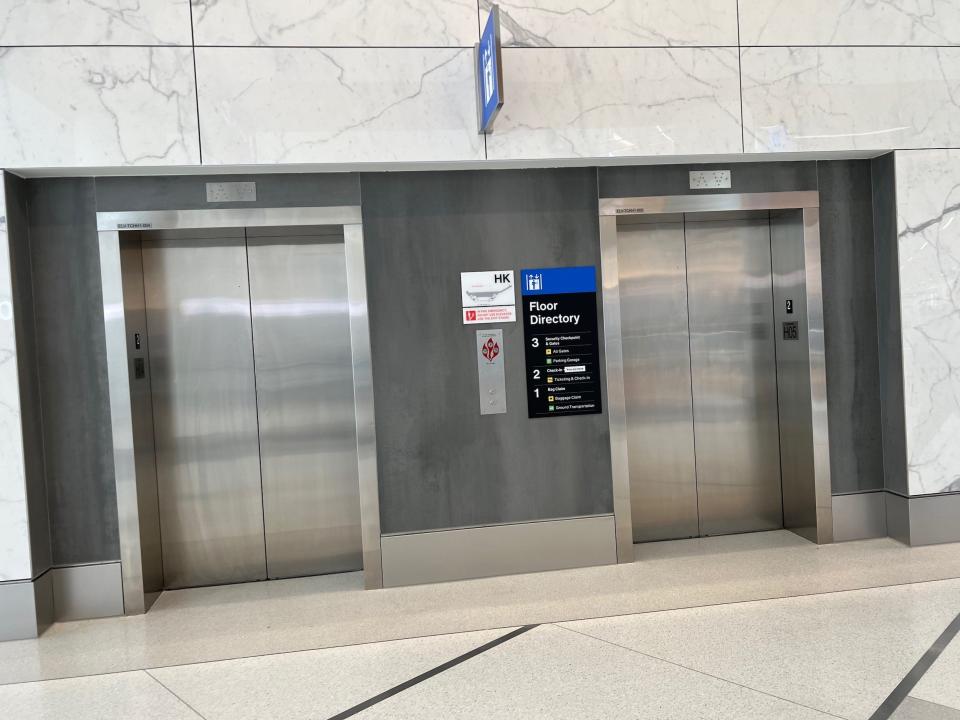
(900, 692)
(189, 706)
(397, 689)
(470, 630)
(699, 672)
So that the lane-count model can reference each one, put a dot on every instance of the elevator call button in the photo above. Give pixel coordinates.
(561, 341)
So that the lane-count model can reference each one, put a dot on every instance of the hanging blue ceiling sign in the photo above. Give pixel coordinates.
(489, 71)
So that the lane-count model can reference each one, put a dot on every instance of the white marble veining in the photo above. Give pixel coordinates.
(850, 22)
(627, 23)
(14, 523)
(336, 23)
(97, 106)
(281, 105)
(607, 102)
(804, 99)
(103, 22)
(928, 212)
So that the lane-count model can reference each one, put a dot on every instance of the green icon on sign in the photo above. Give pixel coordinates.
(549, 361)
(551, 408)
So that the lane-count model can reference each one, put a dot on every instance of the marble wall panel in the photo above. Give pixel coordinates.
(607, 102)
(851, 22)
(104, 22)
(805, 99)
(336, 23)
(624, 23)
(928, 204)
(77, 106)
(281, 105)
(14, 523)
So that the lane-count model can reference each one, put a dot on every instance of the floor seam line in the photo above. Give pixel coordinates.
(433, 672)
(916, 673)
(700, 672)
(188, 705)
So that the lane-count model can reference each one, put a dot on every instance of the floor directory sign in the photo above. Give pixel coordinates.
(561, 341)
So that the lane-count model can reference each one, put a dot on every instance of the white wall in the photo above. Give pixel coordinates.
(167, 83)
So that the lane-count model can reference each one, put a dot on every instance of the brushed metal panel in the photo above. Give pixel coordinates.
(793, 374)
(205, 419)
(816, 348)
(616, 396)
(364, 405)
(308, 436)
(734, 375)
(217, 218)
(141, 411)
(656, 377)
(708, 203)
(466, 553)
(490, 374)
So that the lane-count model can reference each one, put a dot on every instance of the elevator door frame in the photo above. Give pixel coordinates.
(610, 209)
(137, 598)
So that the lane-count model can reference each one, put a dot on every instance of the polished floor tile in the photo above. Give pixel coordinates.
(842, 653)
(553, 673)
(941, 683)
(205, 624)
(314, 683)
(915, 709)
(124, 696)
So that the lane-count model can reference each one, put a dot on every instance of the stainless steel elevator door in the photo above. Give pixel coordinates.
(656, 358)
(308, 444)
(734, 375)
(204, 400)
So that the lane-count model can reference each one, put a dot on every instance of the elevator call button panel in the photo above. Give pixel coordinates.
(561, 342)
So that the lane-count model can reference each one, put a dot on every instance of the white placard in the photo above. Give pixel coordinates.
(488, 297)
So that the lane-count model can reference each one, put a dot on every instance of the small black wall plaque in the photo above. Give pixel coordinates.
(791, 330)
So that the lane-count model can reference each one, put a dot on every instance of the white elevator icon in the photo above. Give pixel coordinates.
(535, 282)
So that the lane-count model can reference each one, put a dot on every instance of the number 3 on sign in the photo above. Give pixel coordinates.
(535, 342)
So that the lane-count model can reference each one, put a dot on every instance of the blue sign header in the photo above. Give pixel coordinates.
(489, 71)
(558, 281)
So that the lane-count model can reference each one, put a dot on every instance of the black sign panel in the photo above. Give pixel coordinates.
(561, 341)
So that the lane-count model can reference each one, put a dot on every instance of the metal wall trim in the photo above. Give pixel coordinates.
(616, 396)
(121, 422)
(625, 207)
(218, 218)
(26, 607)
(363, 405)
(816, 348)
(493, 550)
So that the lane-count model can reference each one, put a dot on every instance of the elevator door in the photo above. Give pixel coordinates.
(204, 405)
(700, 378)
(252, 392)
(304, 371)
(734, 373)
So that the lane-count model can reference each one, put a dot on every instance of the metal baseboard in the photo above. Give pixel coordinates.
(466, 553)
(859, 516)
(82, 592)
(26, 608)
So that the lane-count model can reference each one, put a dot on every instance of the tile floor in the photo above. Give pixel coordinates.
(748, 627)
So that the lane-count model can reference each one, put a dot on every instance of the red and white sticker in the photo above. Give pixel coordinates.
(500, 313)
